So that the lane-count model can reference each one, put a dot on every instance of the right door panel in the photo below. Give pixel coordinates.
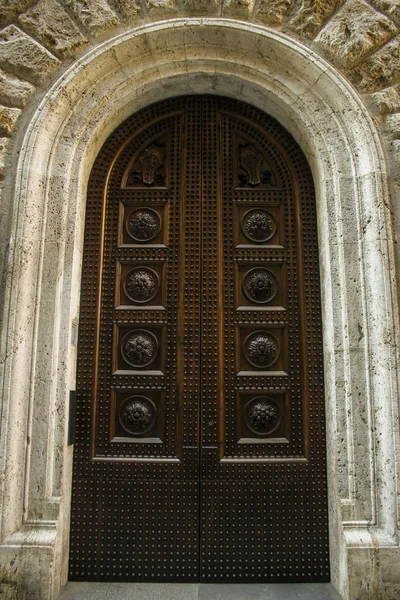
(263, 478)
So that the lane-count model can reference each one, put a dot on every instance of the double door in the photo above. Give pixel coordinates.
(200, 451)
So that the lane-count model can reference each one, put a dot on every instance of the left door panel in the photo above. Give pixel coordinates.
(135, 483)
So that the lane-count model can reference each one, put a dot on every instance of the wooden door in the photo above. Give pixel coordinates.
(200, 451)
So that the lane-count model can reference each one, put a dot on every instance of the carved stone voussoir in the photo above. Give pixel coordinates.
(273, 12)
(8, 119)
(13, 91)
(355, 31)
(52, 25)
(9, 9)
(237, 8)
(24, 57)
(95, 15)
(310, 15)
(203, 7)
(161, 8)
(4, 143)
(381, 70)
(387, 101)
(130, 9)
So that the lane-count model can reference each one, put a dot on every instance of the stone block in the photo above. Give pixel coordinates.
(24, 57)
(9, 9)
(238, 8)
(385, 102)
(391, 592)
(8, 591)
(380, 70)
(131, 10)
(95, 15)
(309, 16)
(51, 24)
(4, 144)
(355, 31)
(201, 7)
(394, 149)
(390, 7)
(13, 91)
(8, 119)
(273, 12)
(391, 126)
(161, 8)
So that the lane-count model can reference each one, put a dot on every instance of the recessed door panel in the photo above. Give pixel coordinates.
(200, 451)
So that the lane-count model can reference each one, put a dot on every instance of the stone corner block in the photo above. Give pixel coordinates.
(355, 31)
(51, 24)
(24, 57)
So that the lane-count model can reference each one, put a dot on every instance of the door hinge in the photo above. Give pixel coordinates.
(71, 417)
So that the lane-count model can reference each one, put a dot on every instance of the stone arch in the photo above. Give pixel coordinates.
(334, 129)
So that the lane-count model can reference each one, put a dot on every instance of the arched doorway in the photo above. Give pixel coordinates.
(200, 450)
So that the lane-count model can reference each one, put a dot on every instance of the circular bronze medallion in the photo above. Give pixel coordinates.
(137, 414)
(143, 224)
(139, 348)
(261, 349)
(141, 284)
(262, 415)
(258, 225)
(260, 285)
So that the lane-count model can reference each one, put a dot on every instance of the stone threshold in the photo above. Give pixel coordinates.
(198, 591)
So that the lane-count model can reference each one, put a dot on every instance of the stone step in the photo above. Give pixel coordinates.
(195, 591)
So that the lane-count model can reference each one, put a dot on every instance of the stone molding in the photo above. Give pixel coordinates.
(46, 200)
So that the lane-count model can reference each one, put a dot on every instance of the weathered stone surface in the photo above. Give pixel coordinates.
(391, 126)
(8, 118)
(4, 142)
(52, 25)
(13, 91)
(161, 8)
(395, 150)
(201, 7)
(24, 57)
(309, 16)
(380, 70)
(273, 12)
(356, 30)
(129, 9)
(390, 7)
(9, 9)
(238, 8)
(387, 101)
(96, 15)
